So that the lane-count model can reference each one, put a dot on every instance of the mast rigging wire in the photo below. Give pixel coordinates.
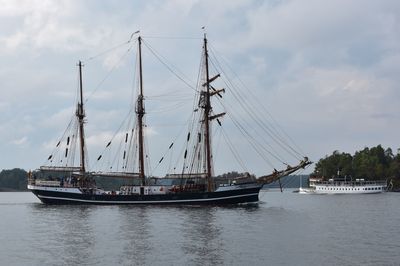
(253, 114)
(172, 38)
(159, 57)
(110, 72)
(262, 106)
(111, 49)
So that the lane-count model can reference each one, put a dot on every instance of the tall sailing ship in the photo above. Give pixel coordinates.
(196, 184)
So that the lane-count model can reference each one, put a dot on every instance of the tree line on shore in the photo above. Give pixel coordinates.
(13, 180)
(374, 163)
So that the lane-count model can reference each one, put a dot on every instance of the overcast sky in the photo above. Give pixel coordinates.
(326, 70)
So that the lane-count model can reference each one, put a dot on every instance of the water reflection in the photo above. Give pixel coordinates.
(201, 233)
(248, 207)
(127, 235)
(289, 229)
(65, 233)
(134, 235)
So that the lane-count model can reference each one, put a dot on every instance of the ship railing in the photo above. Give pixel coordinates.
(353, 183)
(52, 183)
(187, 175)
(31, 181)
(60, 168)
(117, 174)
(46, 183)
(67, 182)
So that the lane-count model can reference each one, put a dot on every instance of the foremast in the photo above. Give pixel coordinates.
(140, 113)
(80, 114)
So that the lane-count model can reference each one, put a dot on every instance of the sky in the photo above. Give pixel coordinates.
(327, 71)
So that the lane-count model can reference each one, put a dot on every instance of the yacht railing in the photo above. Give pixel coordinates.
(352, 183)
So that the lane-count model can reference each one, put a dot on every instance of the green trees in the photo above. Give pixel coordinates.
(370, 163)
(15, 179)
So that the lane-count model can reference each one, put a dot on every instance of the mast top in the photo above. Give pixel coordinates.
(207, 111)
(80, 113)
(140, 111)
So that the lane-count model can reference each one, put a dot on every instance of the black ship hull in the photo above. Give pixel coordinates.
(234, 196)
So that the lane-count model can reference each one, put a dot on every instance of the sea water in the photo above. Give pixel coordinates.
(282, 229)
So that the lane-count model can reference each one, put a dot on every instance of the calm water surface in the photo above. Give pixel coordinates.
(283, 229)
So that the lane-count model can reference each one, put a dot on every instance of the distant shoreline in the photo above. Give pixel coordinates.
(5, 189)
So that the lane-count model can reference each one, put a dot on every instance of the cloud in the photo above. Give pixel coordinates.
(325, 70)
(4, 106)
(59, 119)
(21, 141)
(99, 140)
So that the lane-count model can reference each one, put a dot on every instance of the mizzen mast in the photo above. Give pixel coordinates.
(140, 113)
(80, 114)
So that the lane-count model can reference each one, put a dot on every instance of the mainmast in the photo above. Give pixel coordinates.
(140, 113)
(80, 114)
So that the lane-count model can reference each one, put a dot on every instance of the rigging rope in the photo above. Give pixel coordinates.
(233, 150)
(172, 38)
(110, 71)
(112, 138)
(256, 118)
(160, 58)
(262, 106)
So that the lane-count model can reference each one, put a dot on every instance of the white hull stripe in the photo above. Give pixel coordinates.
(148, 201)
